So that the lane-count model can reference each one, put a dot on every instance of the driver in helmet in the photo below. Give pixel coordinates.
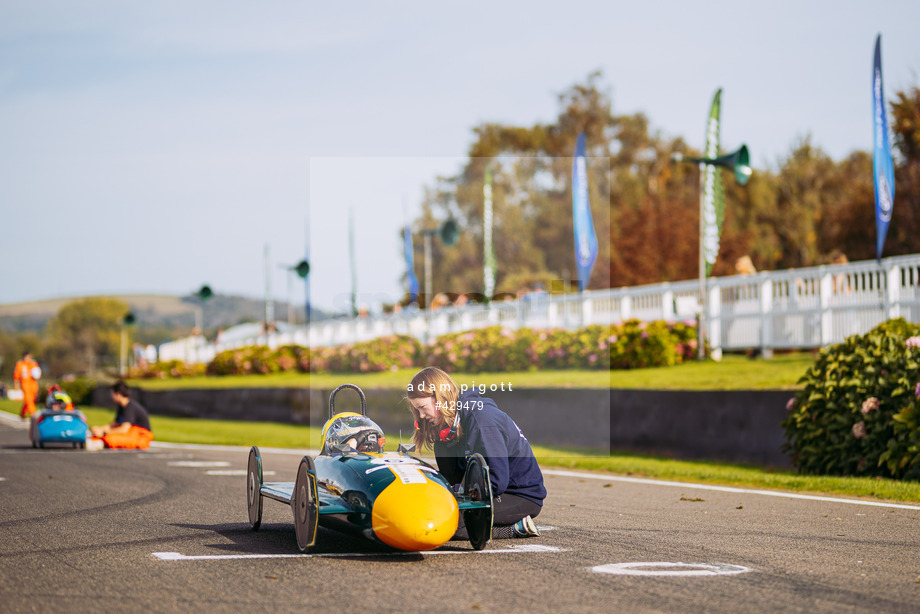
(351, 432)
(58, 399)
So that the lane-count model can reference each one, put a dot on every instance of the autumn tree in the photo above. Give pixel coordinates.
(646, 209)
(904, 228)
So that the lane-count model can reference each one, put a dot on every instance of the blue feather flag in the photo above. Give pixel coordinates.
(882, 166)
(410, 265)
(585, 237)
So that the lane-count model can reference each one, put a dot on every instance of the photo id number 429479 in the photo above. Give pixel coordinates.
(448, 405)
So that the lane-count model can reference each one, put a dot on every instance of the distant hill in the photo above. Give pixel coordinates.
(159, 317)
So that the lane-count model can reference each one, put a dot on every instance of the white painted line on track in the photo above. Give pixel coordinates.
(238, 472)
(524, 548)
(671, 569)
(198, 464)
(14, 421)
(748, 491)
(196, 446)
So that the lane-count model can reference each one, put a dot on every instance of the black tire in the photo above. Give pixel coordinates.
(254, 488)
(305, 505)
(476, 484)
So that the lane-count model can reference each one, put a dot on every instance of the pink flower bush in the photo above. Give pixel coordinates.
(790, 404)
(855, 414)
(859, 430)
(628, 345)
(869, 405)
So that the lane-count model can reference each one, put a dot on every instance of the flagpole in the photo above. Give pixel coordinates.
(354, 265)
(488, 256)
(704, 300)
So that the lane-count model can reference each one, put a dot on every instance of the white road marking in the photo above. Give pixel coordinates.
(233, 472)
(196, 446)
(524, 548)
(677, 569)
(198, 464)
(749, 491)
(14, 421)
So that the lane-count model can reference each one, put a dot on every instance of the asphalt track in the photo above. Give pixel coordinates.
(166, 530)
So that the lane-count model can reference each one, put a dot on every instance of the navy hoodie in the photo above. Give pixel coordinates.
(491, 432)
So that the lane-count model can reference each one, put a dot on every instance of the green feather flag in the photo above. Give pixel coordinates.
(713, 205)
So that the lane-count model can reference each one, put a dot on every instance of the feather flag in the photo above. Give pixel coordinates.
(585, 237)
(713, 198)
(410, 265)
(354, 263)
(488, 269)
(882, 166)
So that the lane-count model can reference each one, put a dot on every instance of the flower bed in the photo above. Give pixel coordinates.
(629, 345)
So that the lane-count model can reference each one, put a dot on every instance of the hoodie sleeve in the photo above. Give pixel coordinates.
(492, 446)
(449, 465)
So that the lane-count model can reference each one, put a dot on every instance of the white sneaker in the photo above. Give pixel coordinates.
(526, 528)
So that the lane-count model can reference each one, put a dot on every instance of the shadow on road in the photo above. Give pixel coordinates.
(278, 538)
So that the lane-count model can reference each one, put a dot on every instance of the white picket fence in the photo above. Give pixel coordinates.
(798, 308)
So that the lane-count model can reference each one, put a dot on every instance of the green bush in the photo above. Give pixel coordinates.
(629, 345)
(167, 369)
(386, 353)
(485, 349)
(260, 360)
(80, 389)
(643, 344)
(858, 412)
(383, 354)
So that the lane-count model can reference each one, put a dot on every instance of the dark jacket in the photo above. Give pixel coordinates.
(133, 413)
(491, 432)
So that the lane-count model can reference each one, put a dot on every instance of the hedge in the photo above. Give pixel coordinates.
(629, 345)
(859, 412)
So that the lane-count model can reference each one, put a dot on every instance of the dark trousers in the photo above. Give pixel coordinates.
(506, 510)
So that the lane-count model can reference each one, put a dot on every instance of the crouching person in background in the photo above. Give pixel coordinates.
(131, 427)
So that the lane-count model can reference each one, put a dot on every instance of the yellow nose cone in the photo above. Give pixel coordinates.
(415, 516)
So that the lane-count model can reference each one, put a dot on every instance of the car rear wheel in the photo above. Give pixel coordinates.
(254, 488)
(476, 484)
(305, 505)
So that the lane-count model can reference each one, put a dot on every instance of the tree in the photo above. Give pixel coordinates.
(848, 214)
(904, 229)
(85, 335)
(646, 210)
(799, 191)
(13, 345)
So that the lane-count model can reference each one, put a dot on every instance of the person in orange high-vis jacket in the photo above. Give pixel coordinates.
(25, 377)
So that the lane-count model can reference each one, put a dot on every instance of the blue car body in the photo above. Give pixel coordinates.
(58, 426)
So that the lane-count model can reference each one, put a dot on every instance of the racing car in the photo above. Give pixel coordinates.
(59, 422)
(392, 498)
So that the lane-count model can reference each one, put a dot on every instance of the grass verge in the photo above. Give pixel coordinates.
(265, 434)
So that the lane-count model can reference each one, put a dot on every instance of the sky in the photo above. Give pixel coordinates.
(150, 148)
